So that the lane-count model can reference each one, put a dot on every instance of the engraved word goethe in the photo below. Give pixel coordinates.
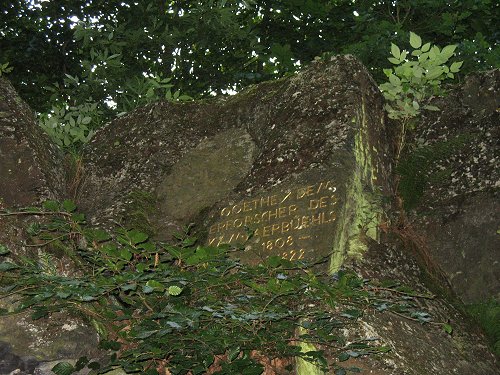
(288, 223)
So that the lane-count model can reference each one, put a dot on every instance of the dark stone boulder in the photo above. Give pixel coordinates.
(416, 348)
(31, 171)
(31, 168)
(312, 147)
(458, 214)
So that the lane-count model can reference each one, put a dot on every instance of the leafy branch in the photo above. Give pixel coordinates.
(416, 76)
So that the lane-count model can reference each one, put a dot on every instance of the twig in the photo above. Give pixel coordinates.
(275, 297)
(403, 293)
(35, 213)
(52, 240)
(145, 303)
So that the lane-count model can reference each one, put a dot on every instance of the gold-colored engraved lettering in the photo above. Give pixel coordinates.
(281, 223)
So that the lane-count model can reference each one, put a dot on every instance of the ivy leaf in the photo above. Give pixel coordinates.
(422, 316)
(274, 261)
(189, 241)
(455, 67)
(393, 60)
(145, 334)
(78, 218)
(109, 345)
(125, 254)
(447, 328)
(69, 205)
(51, 206)
(147, 289)
(63, 368)
(137, 237)
(4, 250)
(63, 294)
(81, 363)
(434, 72)
(131, 286)
(394, 80)
(431, 107)
(87, 298)
(157, 286)
(98, 235)
(426, 47)
(353, 354)
(351, 313)
(201, 255)
(7, 266)
(343, 357)
(174, 325)
(448, 51)
(86, 120)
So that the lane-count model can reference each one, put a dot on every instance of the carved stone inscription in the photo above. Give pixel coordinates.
(291, 223)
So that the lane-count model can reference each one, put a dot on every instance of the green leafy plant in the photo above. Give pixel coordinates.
(140, 91)
(70, 126)
(100, 90)
(5, 69)
(191, 309)
(417, 75)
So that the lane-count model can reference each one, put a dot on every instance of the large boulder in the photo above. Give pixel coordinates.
(452, 181)
(31, 171)
(303, 163)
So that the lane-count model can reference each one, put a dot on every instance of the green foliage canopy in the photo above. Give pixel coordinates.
(208, 47)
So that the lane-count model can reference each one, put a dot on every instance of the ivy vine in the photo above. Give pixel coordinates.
(184, 308)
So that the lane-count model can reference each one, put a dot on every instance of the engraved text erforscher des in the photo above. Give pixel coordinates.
(282, 224)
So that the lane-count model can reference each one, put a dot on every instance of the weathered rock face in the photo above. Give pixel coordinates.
(292, 161)
(458, 214)
(31, 170)
(416, 348)
(300, 168)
